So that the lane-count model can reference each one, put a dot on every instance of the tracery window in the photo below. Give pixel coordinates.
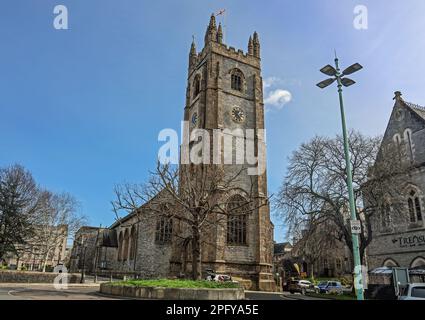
(415, 208)
(164, 230)
(237, 220)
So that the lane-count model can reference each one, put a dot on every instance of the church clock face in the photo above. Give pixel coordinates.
(194, 118)
(238, 115)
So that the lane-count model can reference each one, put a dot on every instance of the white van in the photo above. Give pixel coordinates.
(413, 291)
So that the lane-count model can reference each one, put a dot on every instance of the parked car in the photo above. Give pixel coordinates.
(301, 286)
(413, 291)
(330, 287)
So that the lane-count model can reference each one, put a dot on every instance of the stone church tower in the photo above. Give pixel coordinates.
(225, 91)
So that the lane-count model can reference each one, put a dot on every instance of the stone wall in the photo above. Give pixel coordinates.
(172, 293)
(152, 259)
(11, 276)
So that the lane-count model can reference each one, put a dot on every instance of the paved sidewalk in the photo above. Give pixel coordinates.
(43, 291)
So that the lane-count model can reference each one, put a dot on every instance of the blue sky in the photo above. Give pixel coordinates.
(82, 108)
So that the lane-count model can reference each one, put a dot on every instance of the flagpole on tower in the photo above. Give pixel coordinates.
(222, 12)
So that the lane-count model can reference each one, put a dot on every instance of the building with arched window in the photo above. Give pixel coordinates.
(224, 92)
(398, 228)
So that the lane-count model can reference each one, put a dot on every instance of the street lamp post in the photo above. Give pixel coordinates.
(342, 80)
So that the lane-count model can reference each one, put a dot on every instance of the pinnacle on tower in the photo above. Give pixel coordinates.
(193, 48)
(211, 33)
(212, 22)
(256, 44)
(250, 46)
(220, 34)
(256, 37)
(192, 54)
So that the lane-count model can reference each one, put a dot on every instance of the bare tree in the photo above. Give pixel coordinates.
(196, 196)
(58, 219)
(19, 207)
(315, 188)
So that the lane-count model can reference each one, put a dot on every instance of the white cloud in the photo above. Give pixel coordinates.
(270, 81)
(278, 98)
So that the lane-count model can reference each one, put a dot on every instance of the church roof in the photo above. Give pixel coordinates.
(414, 109)
(419, 110)
(120, 221)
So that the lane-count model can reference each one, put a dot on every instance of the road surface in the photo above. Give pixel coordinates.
(23, 291)
(254, 295)
(48, 292)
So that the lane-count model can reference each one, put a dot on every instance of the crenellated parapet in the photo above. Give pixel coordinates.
(214, 43)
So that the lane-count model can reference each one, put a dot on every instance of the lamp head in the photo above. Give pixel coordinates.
(347, 82)
(328, 70)
(326, 83)
(351, 69)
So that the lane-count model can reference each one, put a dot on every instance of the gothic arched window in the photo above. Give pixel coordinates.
(397, 143)
(414, 205)
(237, 78)
(237, 209)
(417, 262)
(390, 263)
(397, 140)
(409, 143)
(196, 86)
(164, 230)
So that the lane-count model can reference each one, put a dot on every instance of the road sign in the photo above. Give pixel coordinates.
(356, 227)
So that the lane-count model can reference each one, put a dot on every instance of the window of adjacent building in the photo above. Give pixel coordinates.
(418, 262)
(164, 230)
(409, 143)
(414, 205)
(338, 264)
(397, 142)
(236, 220)
(237, 80)
(390, 263)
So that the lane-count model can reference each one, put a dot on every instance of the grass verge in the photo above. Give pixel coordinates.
(178, 283)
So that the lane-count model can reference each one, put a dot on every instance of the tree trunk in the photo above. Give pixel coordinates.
(46, 257)
(312, 271)
(196, 254)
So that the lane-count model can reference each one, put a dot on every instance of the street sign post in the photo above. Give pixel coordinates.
(356, 227)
